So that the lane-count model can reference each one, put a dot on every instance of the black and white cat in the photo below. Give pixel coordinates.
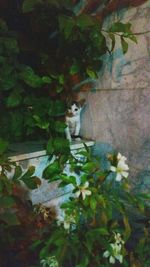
(73, 120)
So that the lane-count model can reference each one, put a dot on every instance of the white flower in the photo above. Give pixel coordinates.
(66, 220)
(0, 169)
(83, 191)
(49, 262)
(120, 157)
(118, 238)
(115, 255)
(121, 169)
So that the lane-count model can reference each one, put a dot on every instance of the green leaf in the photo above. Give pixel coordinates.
(9, 218)
(6, 202)
(49, 147)
(18, 172)
(124, 45)
(29, 5)
(8, 82)
(93, 203)
(14, 99)
(31, 182)
(91, 73)
(30, 78)
(83, 21)
(133, 38)
(51, 170)
(90, 167)
(60, 126)
(57, 109)
(66, 25)
(112, 37)
(40, 122)
(120, 27)
(61, 145)
(61, 79)
(74, 69)
(28, 173)
(46, 79)
(3, 146)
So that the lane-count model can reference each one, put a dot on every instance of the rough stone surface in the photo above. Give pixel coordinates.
(118, 113)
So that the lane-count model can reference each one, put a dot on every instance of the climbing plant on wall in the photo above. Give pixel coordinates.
(46, 49)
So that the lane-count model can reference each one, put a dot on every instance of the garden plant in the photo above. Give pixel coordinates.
(48, 51)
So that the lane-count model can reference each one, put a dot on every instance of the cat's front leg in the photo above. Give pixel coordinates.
(68, 135)
(77, 131)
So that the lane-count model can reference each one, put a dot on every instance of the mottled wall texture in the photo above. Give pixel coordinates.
(118, 112)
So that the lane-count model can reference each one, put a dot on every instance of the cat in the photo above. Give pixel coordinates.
(73, 120)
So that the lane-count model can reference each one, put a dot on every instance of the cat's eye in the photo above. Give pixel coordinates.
(76, 109)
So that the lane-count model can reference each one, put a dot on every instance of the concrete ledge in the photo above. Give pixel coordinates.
(28, 150)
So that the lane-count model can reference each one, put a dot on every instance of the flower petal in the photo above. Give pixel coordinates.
(122, 165)
(118, 177)
(120, 157)
(106, 254)
(113, 169)
(88, 192)
(112, 259)
(86, 184)
(119, 258)
(125, 174)
(77, 194)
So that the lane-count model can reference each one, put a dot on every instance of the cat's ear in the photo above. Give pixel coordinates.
(82, 102)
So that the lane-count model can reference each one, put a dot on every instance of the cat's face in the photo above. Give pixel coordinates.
(74, 109)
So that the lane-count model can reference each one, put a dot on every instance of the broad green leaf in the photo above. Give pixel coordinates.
(124, 45)
(30, 78)
(90, 167)
(6, 202)
(51, 170)
(14, 99)
(46, 79)
(8, 82)
(93, 203)
(66, 25)
(133, 38)
(28, 173)
(41, 123)
(32, 182)
(91, 73)
(61, 145)
(60, 126)
(58, 108)
(61, 79)
(49, 147)
(18, 172)
(29, 5)
(120, 27)
(83, 21)
(74, 69)
(9, 218)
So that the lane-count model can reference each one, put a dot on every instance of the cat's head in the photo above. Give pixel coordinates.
(76, 107)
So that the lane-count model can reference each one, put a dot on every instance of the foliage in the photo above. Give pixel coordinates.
(103, 223)
(46, 49)
(21, 223)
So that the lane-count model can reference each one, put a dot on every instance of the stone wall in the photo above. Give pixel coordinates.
(118, 112)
